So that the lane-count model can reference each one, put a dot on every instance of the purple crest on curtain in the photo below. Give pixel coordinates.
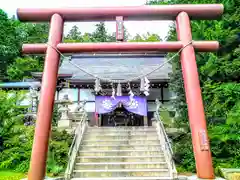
(106, 104)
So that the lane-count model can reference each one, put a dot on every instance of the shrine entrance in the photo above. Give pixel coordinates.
(121, 117)
(185, 46)
(121, 110)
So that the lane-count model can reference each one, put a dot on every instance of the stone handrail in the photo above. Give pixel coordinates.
(165, 144)
(73, 151)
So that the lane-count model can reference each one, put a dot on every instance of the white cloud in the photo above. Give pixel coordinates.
(134, 27)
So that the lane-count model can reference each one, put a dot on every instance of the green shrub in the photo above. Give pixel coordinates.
(52, 165)
(59, 147)
(225, 148)
(17, 149)
(183, 153)
(17, 153)
(225, 145)
(16, 139)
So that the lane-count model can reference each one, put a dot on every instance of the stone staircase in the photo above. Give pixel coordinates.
(118, 153)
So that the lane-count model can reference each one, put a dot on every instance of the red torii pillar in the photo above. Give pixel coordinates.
(180, 13)
(194, 98)
(48, 88)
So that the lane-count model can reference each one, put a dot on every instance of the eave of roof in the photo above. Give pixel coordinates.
(20, 84)
(60, 76)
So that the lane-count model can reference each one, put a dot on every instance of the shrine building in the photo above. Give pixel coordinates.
(79, 86)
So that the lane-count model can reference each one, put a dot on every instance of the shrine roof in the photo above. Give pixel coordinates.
(116, 66)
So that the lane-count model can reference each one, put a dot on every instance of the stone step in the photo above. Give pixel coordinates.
(121, 147)
(131, 132)
(121, 137)
(121, 165)
(100, 135)
(121, 173)
(158, 158)
(120, 153)
(120, 141)
(121, 133)
(121, 129)
(126, 178)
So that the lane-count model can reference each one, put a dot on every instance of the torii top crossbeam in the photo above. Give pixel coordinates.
(163, 12)
(166, 12)
(181, 13)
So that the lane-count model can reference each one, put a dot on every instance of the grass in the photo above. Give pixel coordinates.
(10, 175)
(234, 176)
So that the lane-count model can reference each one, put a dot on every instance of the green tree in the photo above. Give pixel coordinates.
(13, 35)
(146, 38)
(23, 67)
(9, 43)
(152, 37)
(74, 35)
(87, 37)
(16, 139)
(100, 34)
(32, 32)
(137, 38)
(9, 111)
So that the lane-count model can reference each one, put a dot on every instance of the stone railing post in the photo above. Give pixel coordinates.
(79, 111)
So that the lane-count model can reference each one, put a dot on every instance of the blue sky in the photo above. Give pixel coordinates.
(158, 27)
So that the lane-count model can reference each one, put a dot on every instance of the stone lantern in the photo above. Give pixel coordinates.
(65, 121)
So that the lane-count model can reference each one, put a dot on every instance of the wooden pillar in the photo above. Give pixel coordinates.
(196, 115)
(162, 94)
(79, 96)
(45, 109)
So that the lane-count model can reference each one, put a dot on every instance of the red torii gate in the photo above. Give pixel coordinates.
(180, 13)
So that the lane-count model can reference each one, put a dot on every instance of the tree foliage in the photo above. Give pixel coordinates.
(99, 35)
(9, 43)
(22, 68)
(13, 35)
(16, 139)
(146, 38)
(32, 32)
(9, 111)
(74, 35)
(219, 79)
